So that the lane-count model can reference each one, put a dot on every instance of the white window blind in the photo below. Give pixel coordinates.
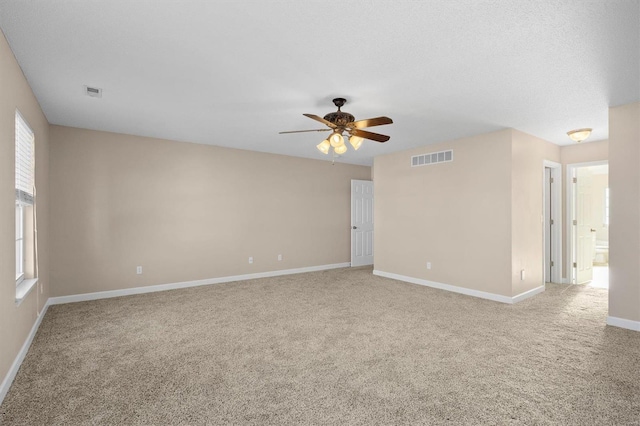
(25, 161)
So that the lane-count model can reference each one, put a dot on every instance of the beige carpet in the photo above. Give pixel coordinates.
(333, 347)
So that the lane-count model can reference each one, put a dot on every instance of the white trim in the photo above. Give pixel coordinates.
(24, 288)
(462, 290)
(17, 362)
(570, 211)
(527, 294)
(571, 169)
(624, 323)
(556, 214)
(174, 286)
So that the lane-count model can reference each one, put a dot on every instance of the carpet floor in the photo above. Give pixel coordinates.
(332, 347)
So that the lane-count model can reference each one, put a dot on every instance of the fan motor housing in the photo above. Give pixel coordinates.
(340, 118)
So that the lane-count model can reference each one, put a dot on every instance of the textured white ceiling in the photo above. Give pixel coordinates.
(234, 73)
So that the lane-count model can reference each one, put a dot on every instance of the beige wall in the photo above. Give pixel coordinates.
(187, 211)
(455, 215)
(584, 152)
(476, 219)
(624, 231)
(527, 198)
(15, 93)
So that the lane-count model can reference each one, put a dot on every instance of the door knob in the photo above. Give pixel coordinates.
(354, 227)
(593, 230)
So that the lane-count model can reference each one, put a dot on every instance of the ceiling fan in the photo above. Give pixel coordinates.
(342, 122)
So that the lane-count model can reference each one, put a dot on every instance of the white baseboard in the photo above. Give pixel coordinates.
(174, 286)
(462, 290)
(527, 294)
(17, 362)
(624, 323)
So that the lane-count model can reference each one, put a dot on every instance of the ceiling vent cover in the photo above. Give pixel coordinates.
(94, 92)
(432, 158)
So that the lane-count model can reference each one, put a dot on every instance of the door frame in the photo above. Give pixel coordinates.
(571, 215)
(556, 215)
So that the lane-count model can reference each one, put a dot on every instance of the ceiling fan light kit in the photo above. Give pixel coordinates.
(336, 140)
(356, 142)
(579, 135)
(342, 122)
(324, 146)
(340, 149)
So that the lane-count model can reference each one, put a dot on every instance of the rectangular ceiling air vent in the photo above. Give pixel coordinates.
(432, 158)
(94, 92)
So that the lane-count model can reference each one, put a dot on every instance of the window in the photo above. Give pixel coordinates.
(606, 207)
(25, 165)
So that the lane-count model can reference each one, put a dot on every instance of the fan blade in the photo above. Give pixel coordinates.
(370, 135)
(320, 119)
(370, 122)
(303, 131)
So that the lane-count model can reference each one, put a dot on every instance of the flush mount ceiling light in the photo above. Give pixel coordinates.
(579, 135)
(342, 122)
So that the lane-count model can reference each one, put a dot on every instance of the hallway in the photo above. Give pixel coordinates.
(600, 277)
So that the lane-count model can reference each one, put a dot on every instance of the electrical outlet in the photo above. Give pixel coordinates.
(428, 265)
(41, 288)
(250, 259)
(522, 275)
(139, 270)
(279, 257)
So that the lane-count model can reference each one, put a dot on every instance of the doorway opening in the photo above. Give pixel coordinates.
(588, 236)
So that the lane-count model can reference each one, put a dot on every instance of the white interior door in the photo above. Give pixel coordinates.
(585, 248)
(547, 225)
(361, 222)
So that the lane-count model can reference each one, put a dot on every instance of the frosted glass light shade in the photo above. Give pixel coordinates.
(579, 135)
(355, 141)
(324, 146)
(340, 149)
(336, 140)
